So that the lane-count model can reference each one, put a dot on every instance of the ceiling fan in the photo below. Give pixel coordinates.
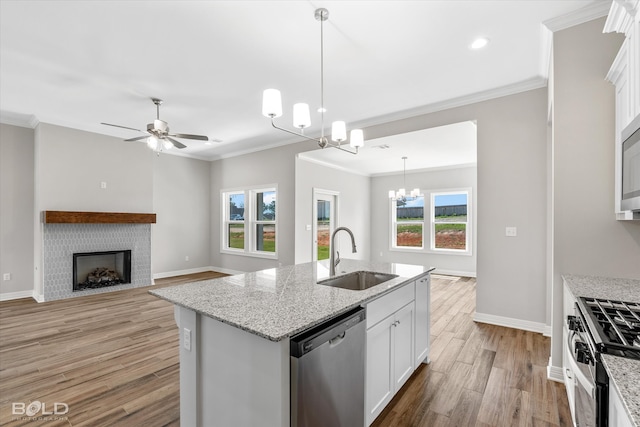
(160, 130)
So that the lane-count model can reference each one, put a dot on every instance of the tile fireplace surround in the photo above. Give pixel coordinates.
(92, 232)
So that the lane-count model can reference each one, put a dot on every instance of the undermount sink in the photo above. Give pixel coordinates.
(358, 280)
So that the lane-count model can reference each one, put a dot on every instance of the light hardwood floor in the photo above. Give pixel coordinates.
(113, 358)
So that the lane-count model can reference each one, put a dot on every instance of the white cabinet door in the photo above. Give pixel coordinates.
(403, 357)
(422, 328)
(379, 386)
(618, 415)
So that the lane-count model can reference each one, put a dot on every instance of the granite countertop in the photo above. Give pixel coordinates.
(603, 287)
(624, 373)
(280, 302)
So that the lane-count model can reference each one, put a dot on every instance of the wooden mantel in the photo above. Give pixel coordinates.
(67, 217)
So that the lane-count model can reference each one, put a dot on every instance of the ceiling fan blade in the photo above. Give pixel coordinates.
(188, 136)
(175, 143)
(137, 138)
(123, 127)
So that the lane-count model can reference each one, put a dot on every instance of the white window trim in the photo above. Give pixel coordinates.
(394, 229)
(468, 222)
(250, 222)
(428, 195)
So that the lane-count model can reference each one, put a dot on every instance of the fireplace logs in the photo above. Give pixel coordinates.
(100, 277)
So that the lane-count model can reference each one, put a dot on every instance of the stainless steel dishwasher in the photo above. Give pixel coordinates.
(327, 373)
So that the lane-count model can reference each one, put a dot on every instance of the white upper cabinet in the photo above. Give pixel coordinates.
(624, 17)
(625, 72)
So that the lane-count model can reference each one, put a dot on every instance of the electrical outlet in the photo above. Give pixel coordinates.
(103, 185)
(511, 232)
(186, 339)
(6, 276)
(186, 258)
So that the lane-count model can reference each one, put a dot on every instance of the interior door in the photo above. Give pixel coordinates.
(324, 222)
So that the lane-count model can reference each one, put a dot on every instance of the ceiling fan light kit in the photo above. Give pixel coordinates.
(159, 138)
(272, 108)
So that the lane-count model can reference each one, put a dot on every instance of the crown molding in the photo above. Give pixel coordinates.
(621, 16)
(17, 119)
(595, 10)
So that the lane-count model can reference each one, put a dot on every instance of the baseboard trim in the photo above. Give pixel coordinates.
(193, 271)
(554, 373)
(17, 295)
(454, 273)
(509, 322)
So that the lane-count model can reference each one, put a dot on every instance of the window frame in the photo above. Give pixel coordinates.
(394, 227)
(467, 222)
(250, 221)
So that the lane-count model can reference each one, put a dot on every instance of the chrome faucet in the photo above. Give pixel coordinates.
(333, 261)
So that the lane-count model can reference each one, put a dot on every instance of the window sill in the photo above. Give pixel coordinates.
(431, 251)
(266, 255)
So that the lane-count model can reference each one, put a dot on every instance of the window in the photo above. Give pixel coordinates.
(408, 223)
(249, 222)
(449, 221)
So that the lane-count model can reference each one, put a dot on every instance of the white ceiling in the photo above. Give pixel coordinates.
(80, 63)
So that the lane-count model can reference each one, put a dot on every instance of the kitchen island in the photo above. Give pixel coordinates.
(234, 335)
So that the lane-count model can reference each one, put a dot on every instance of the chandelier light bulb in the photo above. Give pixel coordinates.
(301, 116)
(356, 138)
(271, 103)
(338, 131)
(167, 144)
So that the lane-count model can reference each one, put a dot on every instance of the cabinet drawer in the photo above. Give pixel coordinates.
(388, 304)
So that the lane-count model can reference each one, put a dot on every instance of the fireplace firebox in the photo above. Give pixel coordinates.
(93, 270)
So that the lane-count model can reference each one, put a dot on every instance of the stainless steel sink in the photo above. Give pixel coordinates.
(358, 280)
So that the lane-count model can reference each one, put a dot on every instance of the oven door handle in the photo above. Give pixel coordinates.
(579, 376)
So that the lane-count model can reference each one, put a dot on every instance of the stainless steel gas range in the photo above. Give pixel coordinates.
(600, 326)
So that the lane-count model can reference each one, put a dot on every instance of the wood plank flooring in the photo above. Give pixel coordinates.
(113, 358)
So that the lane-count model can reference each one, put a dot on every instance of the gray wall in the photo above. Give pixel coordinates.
(354, 212)
(511, 174)
(181, 200)
(16, 209)
(72, 163)
(587, 238)
(426, 181)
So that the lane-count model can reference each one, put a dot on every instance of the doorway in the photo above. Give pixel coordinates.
(324, 222)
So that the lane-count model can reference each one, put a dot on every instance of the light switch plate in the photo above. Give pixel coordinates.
(511, 232)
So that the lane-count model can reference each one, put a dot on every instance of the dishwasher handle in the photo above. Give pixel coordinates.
(332, 331)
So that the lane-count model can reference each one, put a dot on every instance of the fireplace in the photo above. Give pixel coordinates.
(93, 270)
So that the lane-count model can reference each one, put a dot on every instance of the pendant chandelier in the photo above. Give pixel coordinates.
(272, 108)
(401, 193)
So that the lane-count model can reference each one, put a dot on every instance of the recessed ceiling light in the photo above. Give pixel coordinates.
(479, 43)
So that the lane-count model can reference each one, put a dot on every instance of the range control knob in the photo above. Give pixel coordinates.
(583, 355)
(572, 323)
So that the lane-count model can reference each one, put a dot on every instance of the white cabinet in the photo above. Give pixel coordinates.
(390, 347)
(423, 322)
(624, 17)
(618, 415)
